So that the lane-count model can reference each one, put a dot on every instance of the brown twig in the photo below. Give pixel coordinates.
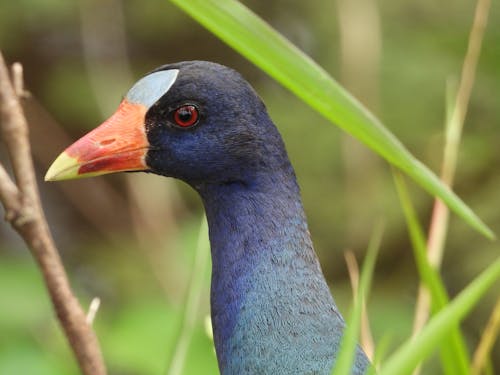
(24, 212)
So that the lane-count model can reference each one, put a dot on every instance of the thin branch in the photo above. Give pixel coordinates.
(8, 193)
(21, 201)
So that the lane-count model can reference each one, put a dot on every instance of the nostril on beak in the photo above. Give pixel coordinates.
(107, 142)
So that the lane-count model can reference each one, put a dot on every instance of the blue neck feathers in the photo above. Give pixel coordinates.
(272, 310)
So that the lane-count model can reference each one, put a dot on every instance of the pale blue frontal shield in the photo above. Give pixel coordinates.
(152, 87)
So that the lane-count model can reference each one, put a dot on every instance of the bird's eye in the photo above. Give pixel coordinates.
(186, 116)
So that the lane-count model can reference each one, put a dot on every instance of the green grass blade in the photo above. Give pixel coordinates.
(488, 338)
(414, 351)
(201, 264)
(248, 34)
(454, 356)
(345, 357)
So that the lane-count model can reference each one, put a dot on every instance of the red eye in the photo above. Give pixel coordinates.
(186, 116)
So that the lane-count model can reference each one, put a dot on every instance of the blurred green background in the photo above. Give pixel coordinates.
(130, 239)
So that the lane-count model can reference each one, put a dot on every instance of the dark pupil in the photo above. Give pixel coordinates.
(185, 114)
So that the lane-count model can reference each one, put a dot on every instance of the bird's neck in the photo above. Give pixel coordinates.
(268, 292)
(251, 219)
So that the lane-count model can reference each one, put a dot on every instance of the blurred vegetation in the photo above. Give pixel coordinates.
(131, 239)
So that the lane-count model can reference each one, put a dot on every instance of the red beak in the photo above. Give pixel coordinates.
(119, 144)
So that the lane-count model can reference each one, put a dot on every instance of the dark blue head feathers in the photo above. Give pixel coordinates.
(233, 140)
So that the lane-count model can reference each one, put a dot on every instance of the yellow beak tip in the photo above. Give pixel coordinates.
(63, 168)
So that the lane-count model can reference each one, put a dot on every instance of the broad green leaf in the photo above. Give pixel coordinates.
(248, 34)
(413, 351)
(454, 357)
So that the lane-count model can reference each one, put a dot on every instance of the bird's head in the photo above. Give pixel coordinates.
(197, 121)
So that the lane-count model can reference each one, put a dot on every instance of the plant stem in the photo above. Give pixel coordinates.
(440, 214)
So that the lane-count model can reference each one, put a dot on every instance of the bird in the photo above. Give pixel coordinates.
(201, 122)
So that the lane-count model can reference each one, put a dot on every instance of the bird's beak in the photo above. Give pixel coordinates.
(119, 144)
